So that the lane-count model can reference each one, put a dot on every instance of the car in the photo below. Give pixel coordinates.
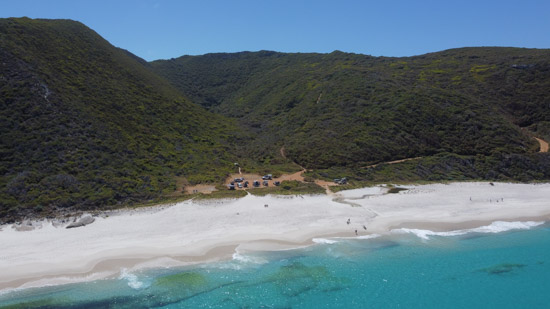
(341, 181)
(256, 183)
(265, 183)
(231, 187)
(246, 184)
(277, 183)
(240, 185)
(267, 177)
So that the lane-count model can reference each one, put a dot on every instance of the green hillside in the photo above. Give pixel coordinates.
(350, 110)
(85, 125)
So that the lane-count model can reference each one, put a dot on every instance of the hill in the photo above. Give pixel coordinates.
(86, 125)
(346, 111)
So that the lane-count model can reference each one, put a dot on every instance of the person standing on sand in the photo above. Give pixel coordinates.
(349, 221)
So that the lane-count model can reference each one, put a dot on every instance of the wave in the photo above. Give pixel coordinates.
(502, 226)
(248, 259)
(324, 241)
(132, 279)
(9, 290)
(495, 227)
(370, 236)
(56, 281)
(334, 240)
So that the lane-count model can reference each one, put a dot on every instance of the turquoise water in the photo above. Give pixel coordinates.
(475, 270)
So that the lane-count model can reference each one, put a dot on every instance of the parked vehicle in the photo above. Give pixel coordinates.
(256, 183)
(277, 183)
(341, 181)
(265, 183)
(267, 177)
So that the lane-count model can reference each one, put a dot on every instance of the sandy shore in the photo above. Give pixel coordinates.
(191, 232)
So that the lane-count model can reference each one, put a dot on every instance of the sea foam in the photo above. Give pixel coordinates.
(335, 240)
(238, 262)
(495, 227)
(55, 281)
(370, 236)
(132, 279)
(324, 241)
(248, 259)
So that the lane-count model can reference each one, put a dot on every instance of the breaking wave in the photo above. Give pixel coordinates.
(132, 279)
(324, 241)
(334, 240)
(248, 259)
(495, 227)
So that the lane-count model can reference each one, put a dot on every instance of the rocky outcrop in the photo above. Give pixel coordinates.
(81, 222)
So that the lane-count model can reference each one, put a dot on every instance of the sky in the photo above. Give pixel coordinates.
(163, 29)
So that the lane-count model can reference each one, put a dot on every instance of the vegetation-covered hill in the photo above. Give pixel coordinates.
(344, 109)
(86, 125)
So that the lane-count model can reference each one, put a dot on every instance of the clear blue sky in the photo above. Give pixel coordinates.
(161, 29)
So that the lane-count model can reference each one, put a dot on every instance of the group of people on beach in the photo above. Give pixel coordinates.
(356, 232)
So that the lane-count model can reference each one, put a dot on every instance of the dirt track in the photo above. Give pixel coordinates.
(543, 148)
(392, 162)
(543, 145)
(282, 151)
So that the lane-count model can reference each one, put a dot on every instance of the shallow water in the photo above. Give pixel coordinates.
(477, 269)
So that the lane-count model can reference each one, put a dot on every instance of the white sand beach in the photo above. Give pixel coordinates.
(208, 230)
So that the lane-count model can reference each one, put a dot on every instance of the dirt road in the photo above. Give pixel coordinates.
(543, 145)
(392, 162)
(282, 151)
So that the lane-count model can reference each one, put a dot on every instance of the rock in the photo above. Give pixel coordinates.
(25, 226)
(82, 222)
(58, 222)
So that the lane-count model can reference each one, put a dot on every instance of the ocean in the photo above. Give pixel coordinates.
(503, 265)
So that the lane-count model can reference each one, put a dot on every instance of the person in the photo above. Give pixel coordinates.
(364, 227)
(349, 221)
(356, 232)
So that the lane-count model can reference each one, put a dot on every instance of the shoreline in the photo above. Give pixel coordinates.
(194, 232)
